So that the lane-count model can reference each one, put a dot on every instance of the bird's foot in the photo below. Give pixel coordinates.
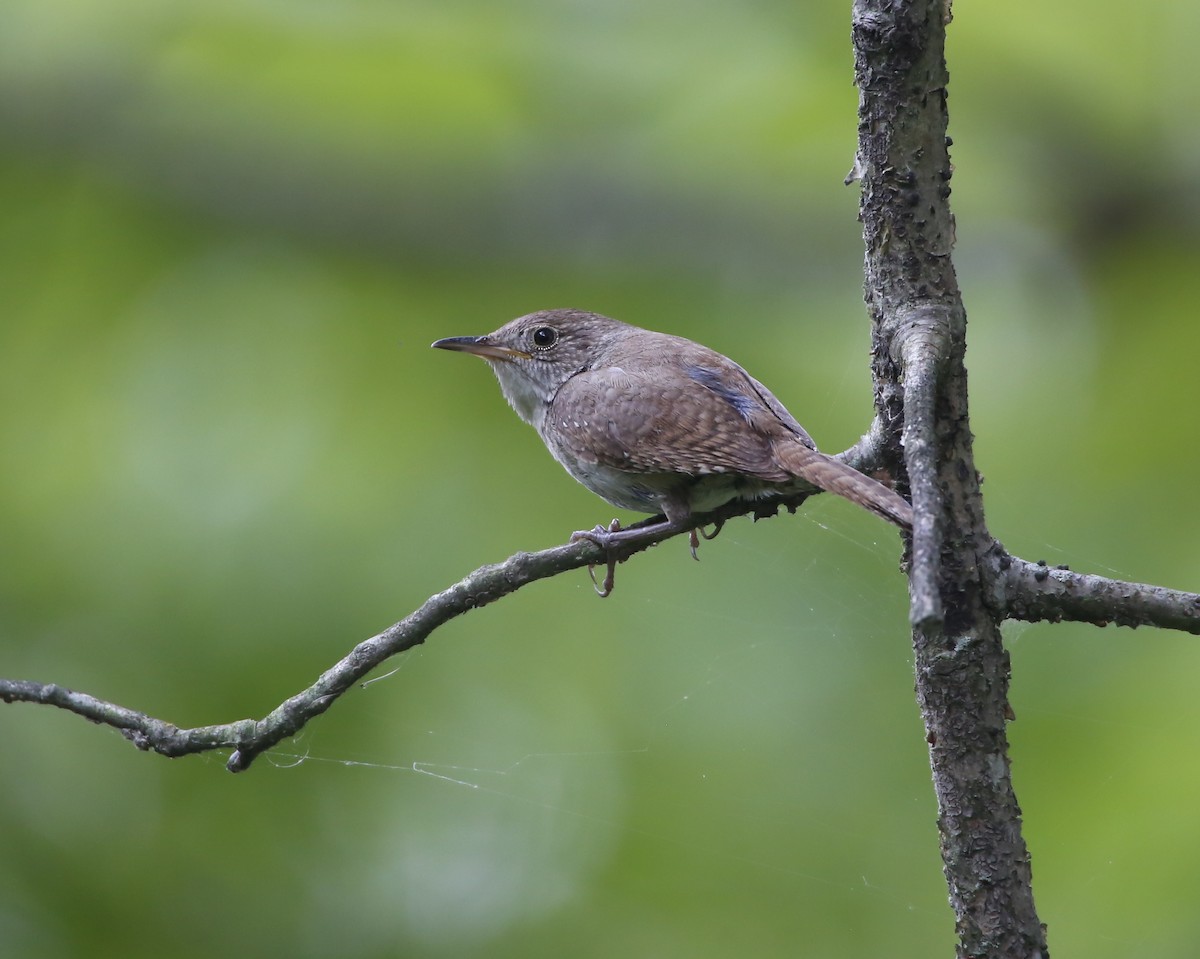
(603, 537)
(695, 534)
(608, 537)
(717, 527)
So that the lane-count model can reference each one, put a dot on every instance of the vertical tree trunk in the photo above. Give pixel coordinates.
(962, 668)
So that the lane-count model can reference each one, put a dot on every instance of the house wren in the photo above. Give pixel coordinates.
(657, 423)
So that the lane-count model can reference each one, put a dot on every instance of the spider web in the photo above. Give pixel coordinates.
(722, 745)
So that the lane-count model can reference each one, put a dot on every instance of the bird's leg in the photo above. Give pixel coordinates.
(614, 534)
(607, 537)
(602, 537)
(677, 517)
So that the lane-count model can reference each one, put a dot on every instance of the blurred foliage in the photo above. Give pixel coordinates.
(230, 231)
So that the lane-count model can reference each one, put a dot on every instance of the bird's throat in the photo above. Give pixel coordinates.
(525, 396)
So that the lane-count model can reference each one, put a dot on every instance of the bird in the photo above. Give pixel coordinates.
(657, 423)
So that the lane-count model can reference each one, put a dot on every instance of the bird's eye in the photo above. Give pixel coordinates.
(545, 337)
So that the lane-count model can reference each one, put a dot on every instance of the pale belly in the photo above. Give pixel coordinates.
(662, 492)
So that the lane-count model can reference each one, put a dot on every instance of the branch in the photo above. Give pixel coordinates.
(872, 453)
(248, 737)
(924, 340)
(1035, 592)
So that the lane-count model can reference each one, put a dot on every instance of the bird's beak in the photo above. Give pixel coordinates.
(480, 346)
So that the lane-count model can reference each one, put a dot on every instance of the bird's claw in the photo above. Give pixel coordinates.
(717, 527)
(603, 589)
(695, 534)
(602, 537)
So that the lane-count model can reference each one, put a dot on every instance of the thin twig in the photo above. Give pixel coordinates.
(249, 738)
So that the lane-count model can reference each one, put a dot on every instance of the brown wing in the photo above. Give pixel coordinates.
(682, 418)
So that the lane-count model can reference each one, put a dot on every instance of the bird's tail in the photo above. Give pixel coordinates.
(833, 476)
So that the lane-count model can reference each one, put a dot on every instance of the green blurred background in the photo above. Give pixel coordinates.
(230, 231)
